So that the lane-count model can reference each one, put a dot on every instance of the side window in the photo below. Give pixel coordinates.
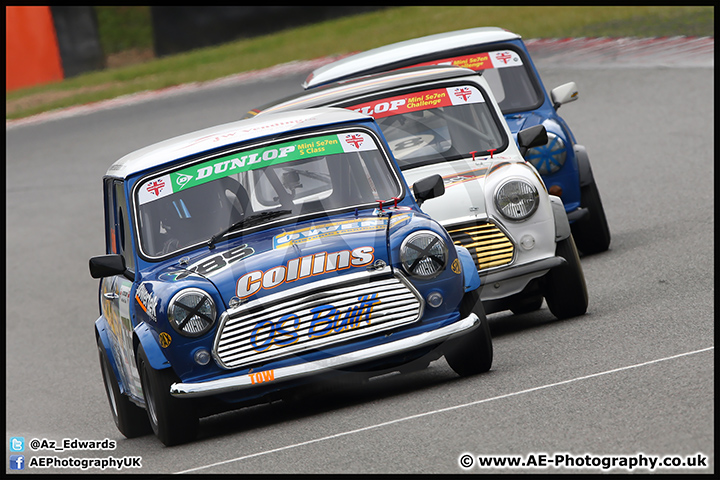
(124, 237)
(111, 245)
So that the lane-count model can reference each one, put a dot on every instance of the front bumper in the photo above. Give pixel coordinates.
(242, 382)
(512, 280)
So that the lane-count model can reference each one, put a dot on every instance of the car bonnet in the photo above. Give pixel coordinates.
(281, 259)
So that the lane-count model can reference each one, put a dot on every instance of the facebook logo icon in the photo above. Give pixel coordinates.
(17, 462)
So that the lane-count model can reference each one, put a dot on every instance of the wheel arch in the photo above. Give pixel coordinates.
(147, 337)
(469, 269)
(101, 333)
(583, 162)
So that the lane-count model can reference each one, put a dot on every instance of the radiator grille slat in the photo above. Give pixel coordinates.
(487, 243)
(263, 331)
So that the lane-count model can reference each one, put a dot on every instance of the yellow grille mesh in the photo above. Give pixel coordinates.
(487, 244)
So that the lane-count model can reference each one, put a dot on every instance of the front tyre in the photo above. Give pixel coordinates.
(527, 305)
(471, 353)
(173, 420)
(592, 234)
(564, 288)
(130, 419)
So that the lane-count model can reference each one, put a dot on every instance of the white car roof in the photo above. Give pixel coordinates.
(405, 50)
(167, 151)
(329, 94)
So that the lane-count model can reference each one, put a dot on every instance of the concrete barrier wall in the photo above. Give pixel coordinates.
(78, 39)
(47, 44)
(179, 29)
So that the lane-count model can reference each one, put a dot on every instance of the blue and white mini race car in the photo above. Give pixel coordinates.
(254, 258)
(503, 60)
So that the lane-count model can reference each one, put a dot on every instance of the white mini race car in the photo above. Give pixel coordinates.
(446, 121)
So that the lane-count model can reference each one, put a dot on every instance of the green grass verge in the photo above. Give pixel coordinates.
(334, 37)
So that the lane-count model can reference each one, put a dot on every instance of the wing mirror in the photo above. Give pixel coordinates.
(535, 136)
(427, 188)
(108, 266)
(564, 94)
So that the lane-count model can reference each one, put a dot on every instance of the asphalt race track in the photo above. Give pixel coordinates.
(631, 379)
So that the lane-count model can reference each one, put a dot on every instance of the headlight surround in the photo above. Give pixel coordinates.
(517, 199)
(424, 254)
(191, 312)
(548, 158)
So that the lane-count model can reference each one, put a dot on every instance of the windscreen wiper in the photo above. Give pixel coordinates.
(246, 222)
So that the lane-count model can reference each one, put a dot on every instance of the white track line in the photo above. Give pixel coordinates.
(447, 409)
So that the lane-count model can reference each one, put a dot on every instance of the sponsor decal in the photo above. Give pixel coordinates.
(317, 232)
(455, 267)
(480, 61)
(462, 92)
(262, 377)
(417, 101)
(325, 320)
(213, 264)
(253, 159)
(156, 188)
(147, 301)
(303, 267)
(458, 178)
(233, 136)
(354, 139)
(165, 340)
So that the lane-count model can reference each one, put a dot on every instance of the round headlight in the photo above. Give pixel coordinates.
(548, 158)
(517, 199)
(423, 254)
(191, 312)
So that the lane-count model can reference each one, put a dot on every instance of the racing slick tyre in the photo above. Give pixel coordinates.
(471, 353)
(173, 420)
(564, 287)
(592, 234)
(130, 419)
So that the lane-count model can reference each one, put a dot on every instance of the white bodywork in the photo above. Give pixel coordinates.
(470, 184)
(473, 200)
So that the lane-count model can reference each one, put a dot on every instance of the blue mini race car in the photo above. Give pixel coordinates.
(249, 260)
(503, 60)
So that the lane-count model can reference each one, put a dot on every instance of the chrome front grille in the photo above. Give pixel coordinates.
(487, 243)
(315, 316)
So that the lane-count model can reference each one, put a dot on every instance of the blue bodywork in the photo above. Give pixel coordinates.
(568, 177)
(240, 263)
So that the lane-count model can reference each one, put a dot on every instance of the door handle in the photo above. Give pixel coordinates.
(111, 296)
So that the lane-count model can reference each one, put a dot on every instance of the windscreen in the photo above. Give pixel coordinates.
(435, 125)
(506, 73)
(260, 185)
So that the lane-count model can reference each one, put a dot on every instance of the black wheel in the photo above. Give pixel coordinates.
(130, 419)
(564, 287)
(527, 305)
(592, 234)
(473, 352)
(173, 420)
